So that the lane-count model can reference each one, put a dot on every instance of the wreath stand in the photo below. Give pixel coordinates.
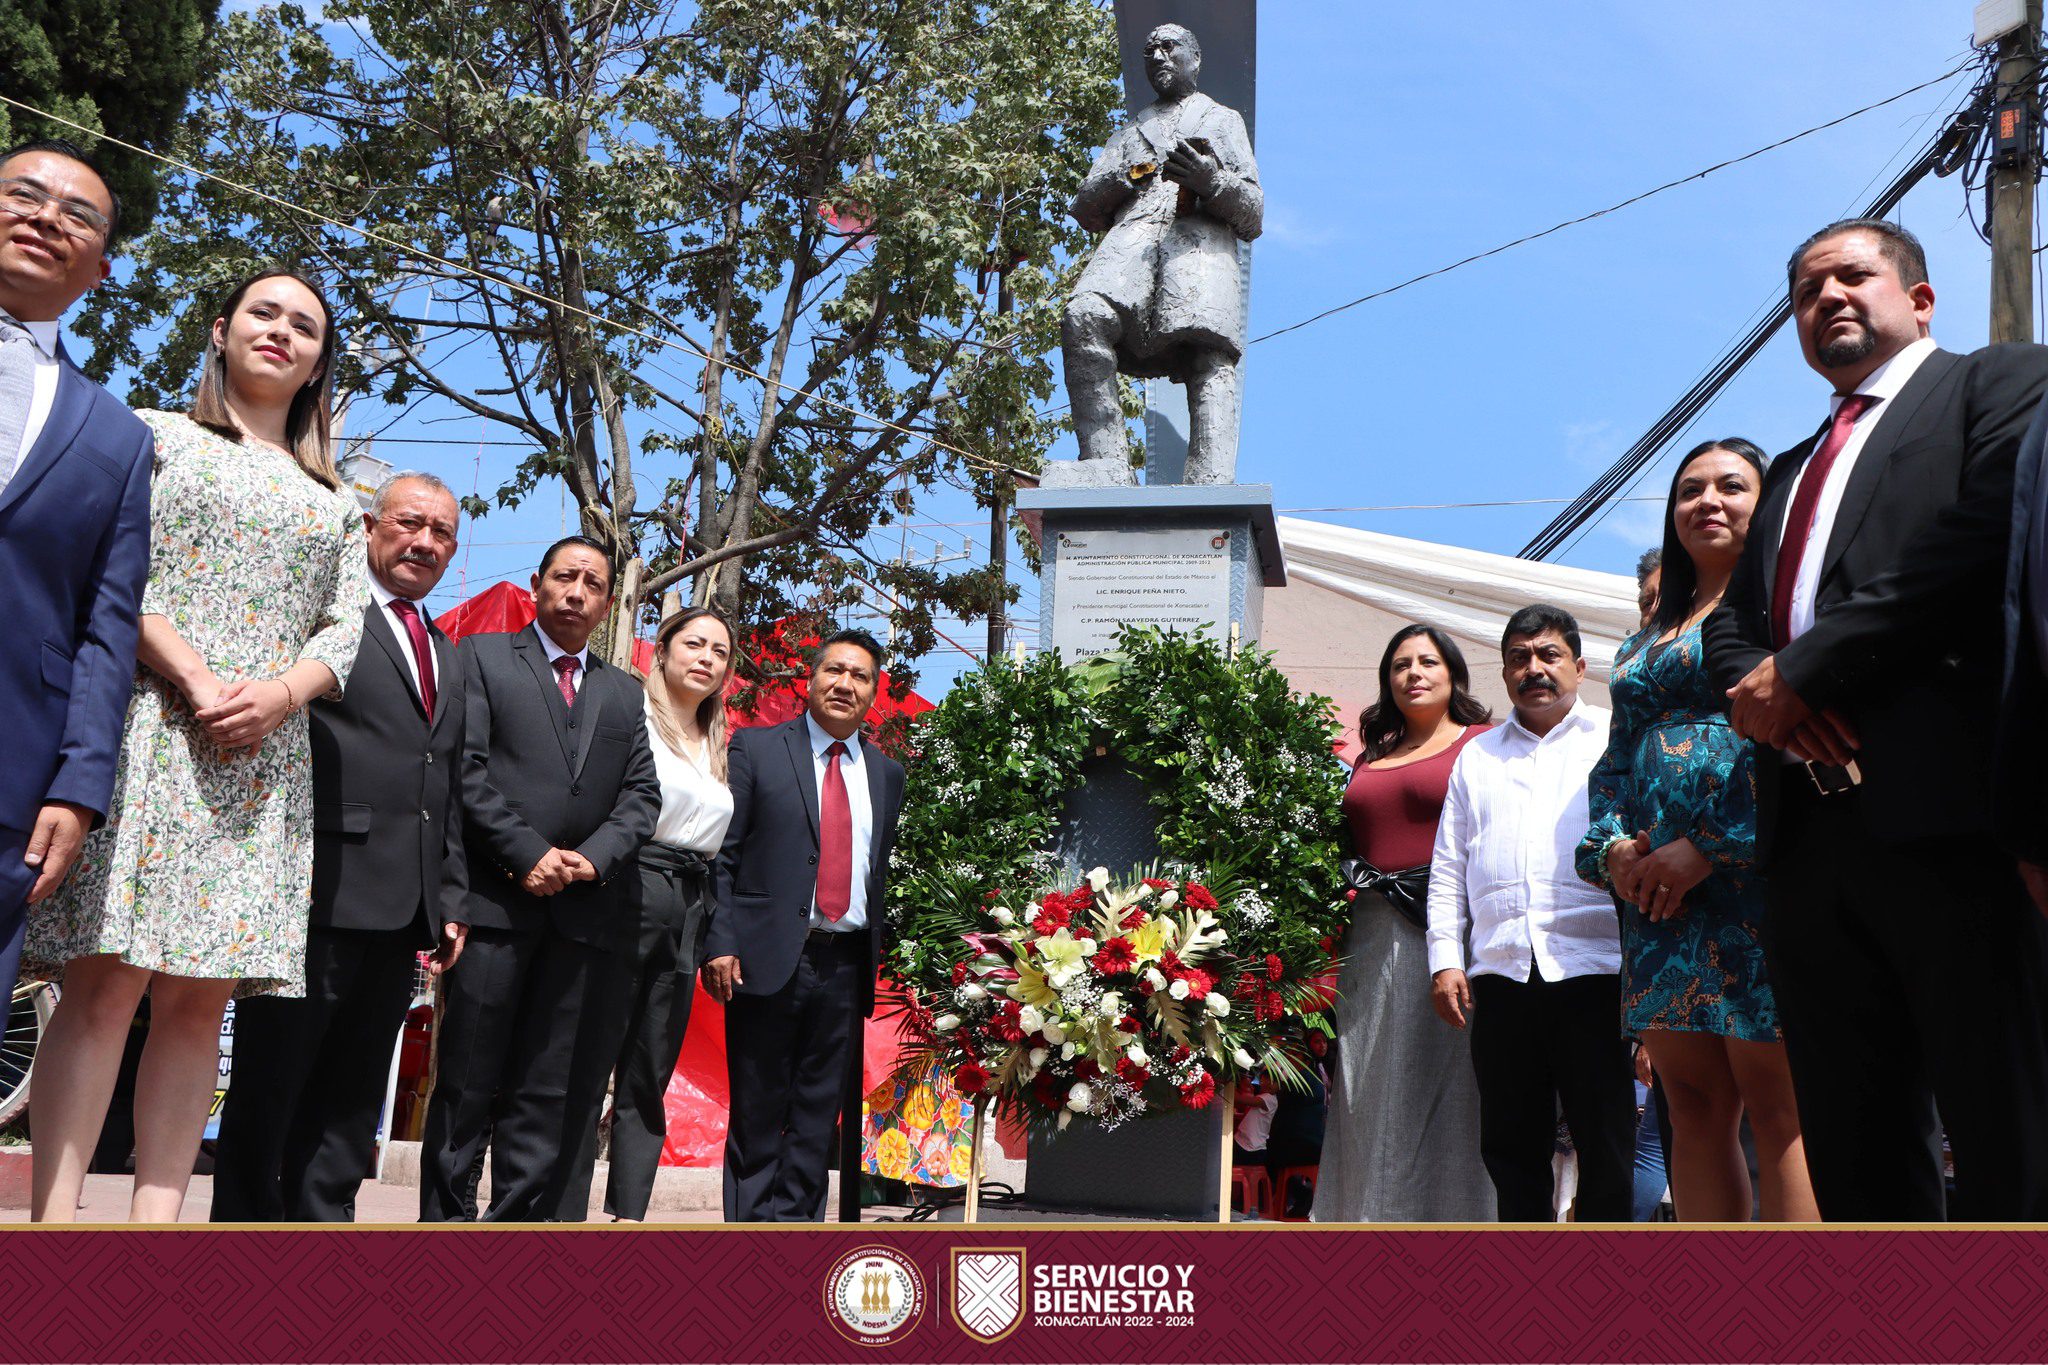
(971, 1212)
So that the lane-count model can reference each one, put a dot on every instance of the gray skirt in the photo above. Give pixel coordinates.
(1402, 1141)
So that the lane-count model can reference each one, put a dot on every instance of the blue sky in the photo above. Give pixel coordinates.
(1396, 138)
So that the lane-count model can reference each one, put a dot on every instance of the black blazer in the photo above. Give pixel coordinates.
(2019, 752)
(387, 805)
(767, 873)
(1906, 635)
(536, 775)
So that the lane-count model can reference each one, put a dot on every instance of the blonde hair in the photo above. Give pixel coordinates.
(710, 712)
(308, 426)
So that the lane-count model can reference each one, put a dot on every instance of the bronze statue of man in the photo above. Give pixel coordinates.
(1163, 296)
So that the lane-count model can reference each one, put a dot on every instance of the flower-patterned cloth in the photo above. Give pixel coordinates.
(204, 867)
(1675, 768)
(918, 1129)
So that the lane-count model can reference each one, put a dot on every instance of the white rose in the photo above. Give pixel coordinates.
(1037, 1057)
(1218, 1006)
(1244, 1059)
(1098, 880)
(946, 1023)
(1002, 916)
(1112, 1006)
(1029, 1019)
(1168, 899)
(1136, 1052)
(973, 991)
(1079, 1098)
(1067, 1051)
(1155, 978)
(1054, 1033)
(1178, 990)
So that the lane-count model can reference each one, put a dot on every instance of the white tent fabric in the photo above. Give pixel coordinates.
(1469, 593)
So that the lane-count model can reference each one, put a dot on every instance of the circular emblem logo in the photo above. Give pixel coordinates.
(874, 1295)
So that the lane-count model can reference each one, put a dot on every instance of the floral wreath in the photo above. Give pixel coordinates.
(1113, 998)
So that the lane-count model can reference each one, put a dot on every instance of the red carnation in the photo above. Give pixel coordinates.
(1134, 918)
(1273, 966)
(1170, 965)
(1180, 1054)
(1328, 945)
(1115, 956)
(992, 895)
(1045, 1090)
(1080, 901)
(959, 973)
(1129, 1024)
(1131, 1074)
(970, 1079)
(1052, 900)
(1087, 1069)
(1350, 894)
(1158, 883)
(1197, 1093)
(1198, 896)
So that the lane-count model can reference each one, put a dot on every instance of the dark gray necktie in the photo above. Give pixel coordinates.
(17, 390)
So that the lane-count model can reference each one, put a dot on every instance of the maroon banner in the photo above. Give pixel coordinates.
(1018, 1293)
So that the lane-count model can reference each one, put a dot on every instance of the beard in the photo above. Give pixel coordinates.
(1849, 349)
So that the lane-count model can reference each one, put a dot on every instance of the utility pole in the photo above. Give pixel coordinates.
(999, 504)
(2015, 169)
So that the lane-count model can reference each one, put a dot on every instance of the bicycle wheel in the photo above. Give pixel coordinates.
(27, 1012)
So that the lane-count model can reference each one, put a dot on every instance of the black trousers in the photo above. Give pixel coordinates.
(674, 905)
(1537, 1045)
(790, 1059)
(523, 1062)
(1912, 984)
(299, 1126)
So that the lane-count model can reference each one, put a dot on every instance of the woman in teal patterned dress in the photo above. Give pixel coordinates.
(198, 886)
(1673, 808)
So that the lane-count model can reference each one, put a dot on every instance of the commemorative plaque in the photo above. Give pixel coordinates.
(1176, 578)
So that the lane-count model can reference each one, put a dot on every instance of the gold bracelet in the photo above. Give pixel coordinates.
(291, 703)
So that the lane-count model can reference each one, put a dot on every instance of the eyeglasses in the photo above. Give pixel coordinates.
(412, 526)
(21, 199)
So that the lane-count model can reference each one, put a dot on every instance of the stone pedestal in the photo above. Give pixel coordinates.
(1182, 556)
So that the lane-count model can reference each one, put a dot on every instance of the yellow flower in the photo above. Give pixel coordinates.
(1032, 988)
(892, 1153)
(963, 1159)
(1149, 940)
(950, 1113)
(919, 1108)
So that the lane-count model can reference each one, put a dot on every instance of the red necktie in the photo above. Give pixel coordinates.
(835, 840)
(565, 674)
(422, 652)
(1805, 502)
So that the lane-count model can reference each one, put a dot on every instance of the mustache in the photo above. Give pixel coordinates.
(1534, 684)
(416, 557)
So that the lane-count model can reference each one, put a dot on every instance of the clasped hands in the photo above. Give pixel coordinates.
(240, 715)
(1764, 708)
(1656, 879)
(555, 870)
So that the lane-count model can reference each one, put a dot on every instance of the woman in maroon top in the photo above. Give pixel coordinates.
(1402, 1143)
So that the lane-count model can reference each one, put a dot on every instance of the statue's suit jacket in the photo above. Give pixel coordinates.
(1172, 275)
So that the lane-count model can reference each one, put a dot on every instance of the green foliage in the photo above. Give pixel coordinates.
(120, 67)
(696, 173)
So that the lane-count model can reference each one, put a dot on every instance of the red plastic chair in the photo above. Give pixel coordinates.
(1276, 1198)
(1251, 1189)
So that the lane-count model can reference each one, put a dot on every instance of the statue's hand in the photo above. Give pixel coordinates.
(1196, 168)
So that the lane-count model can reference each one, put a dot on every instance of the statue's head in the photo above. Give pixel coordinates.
(1173, 59)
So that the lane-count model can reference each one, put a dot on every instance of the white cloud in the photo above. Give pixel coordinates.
(1285, 227)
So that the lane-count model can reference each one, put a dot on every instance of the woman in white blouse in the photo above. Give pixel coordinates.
(686, 715)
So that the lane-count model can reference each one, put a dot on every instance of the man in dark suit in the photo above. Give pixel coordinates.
(2020, 746)
(559, 792)
(300, 1124)
(74, 534)
(1860, 638)
(796, 934)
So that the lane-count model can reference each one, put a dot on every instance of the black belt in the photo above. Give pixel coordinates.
(836, 940)
(1407, 890)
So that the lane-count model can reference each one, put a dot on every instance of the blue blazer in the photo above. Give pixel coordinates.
(74, 551)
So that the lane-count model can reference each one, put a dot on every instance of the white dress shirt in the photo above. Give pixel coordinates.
(384, 597)
(1883, 384)
(42, 397)
(1502, 886)
(854, 769)
(555, 651)
(695, 806)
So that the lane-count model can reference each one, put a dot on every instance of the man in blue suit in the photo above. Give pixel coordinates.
(74, 534)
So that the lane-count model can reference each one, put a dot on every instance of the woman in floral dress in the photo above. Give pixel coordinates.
(197, 888)
(1673, 832)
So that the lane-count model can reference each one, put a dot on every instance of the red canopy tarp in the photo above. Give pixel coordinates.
(697, 1098)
